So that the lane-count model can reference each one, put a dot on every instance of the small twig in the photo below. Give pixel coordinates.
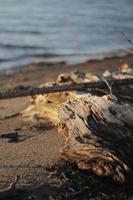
(32, 193)
(10, 135)
(11, 191)
(129, 40)
(109, 86)
(10, 116)
(15, 181)
(123, 48)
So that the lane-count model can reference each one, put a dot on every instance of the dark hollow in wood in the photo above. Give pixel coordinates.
(99, 135)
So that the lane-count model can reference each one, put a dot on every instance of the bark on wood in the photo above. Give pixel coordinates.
(30, 91)
(99, 135)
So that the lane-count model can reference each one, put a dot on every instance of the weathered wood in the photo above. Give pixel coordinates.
(31, 91)
(99, 135)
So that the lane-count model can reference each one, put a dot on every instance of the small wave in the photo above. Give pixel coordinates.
(2, 60)
(30, 56)
(37, 56)
(30, 32)
(17, 46)
(49, 55)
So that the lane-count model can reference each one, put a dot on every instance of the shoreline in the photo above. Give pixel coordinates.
(109, 56)
(75, 59)
(35, 74)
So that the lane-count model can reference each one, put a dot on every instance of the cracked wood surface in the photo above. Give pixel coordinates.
(99, 137)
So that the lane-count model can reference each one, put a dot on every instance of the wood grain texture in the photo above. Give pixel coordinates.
(99, 135)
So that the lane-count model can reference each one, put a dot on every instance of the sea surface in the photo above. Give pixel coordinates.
(63, 30)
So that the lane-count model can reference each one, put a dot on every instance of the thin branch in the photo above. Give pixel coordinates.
(123, 48)
(109, 86)
(129, 40)
(11, 190)
(61, 88)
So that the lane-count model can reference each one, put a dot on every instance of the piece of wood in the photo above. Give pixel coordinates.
(31, 91)
(99, 135)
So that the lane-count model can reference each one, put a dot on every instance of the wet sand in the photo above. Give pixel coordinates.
(36, 147)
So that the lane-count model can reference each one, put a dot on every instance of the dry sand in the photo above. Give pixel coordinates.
(36, 147)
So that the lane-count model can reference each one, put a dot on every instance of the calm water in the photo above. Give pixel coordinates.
(70, 30)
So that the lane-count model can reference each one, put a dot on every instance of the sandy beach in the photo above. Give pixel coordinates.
(36, 147)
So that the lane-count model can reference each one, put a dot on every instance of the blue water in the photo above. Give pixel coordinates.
(68, 30)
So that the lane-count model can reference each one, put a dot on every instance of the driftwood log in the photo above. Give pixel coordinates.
(99, 135)
(98, 132)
